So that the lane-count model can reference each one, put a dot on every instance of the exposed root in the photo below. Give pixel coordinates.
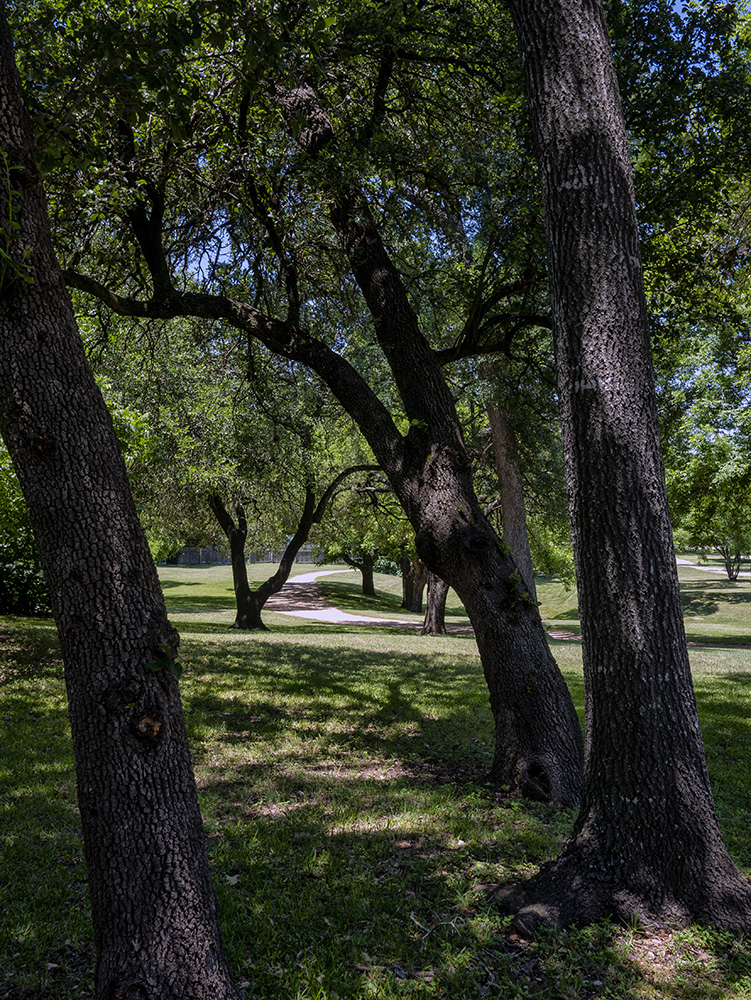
(568, 892)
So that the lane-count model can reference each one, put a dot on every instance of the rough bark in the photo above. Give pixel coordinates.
(435, 610)
(646, 845)
(538, 746)
(250, 603)
(513, 508)
(154, 911)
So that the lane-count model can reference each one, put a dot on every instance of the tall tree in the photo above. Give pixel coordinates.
(315, 200)
(646, 844)
(513, 508)
(154, 911)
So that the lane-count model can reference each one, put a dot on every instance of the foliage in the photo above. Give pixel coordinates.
(22, 587)
(710, 496)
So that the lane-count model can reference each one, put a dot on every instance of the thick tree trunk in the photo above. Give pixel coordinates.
(646, 845)
(414, 581)
(513, 508)
(155, 917)
(405, 564)
(435, 610)
(538, 739)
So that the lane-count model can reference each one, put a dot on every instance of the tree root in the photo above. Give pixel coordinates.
(570, 892)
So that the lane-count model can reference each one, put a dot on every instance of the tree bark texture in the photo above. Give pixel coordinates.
(414, 580)
(513, 508)
(646, 844)
(435, 609)
(154, 912)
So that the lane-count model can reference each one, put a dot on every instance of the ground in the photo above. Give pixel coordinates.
(340, 773)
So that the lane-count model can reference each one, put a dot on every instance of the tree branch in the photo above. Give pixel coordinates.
(283, 339)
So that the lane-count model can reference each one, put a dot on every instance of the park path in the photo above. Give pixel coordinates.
(706, 569)
(301, 597)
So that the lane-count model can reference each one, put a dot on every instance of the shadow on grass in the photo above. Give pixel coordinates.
(428, 707)
(704, 597)
(348, 596)
(346, 828)
(42, 874)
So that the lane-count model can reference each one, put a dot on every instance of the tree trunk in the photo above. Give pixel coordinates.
(154, 912)
(407, 581)
(435, 611)
(419, 582)
(646, 845)
(365, 563)
(414, 580)
(513, 509)
(367, 569)
(537, 735)
(250, 603)
(732, 560)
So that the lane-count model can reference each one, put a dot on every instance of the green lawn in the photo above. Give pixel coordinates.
(340, 779)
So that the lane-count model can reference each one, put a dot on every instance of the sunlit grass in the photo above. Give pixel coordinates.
(340, 774)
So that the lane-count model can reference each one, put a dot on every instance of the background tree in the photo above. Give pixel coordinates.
(154, 911)
(250, 603)
(22, 587)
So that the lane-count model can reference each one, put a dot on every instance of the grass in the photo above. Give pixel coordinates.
(340, 772)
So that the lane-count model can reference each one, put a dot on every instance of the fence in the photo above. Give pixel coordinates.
(195, 555)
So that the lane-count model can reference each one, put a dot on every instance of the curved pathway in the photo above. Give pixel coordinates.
(301, 597)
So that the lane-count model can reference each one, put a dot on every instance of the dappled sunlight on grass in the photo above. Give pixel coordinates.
(340, 771)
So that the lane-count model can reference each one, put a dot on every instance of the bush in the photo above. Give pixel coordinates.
(22, 587)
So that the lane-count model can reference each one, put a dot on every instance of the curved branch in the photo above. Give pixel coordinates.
(283, 339)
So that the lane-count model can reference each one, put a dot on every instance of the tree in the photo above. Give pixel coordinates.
(435, 610)
(22, 588)
(154, 911)
(250, 603)
(282, 205)
(646, 844)
(513, 508)
(709, 494)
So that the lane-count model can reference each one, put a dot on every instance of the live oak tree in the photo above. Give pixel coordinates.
(435, 606)
(305, 196)
(646, 844)
(153, 907)
(250, 603)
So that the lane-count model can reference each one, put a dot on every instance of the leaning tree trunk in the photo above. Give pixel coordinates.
(538, 744)
(154, 912)
(435, 609)
(513, 508)
(646, 844)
